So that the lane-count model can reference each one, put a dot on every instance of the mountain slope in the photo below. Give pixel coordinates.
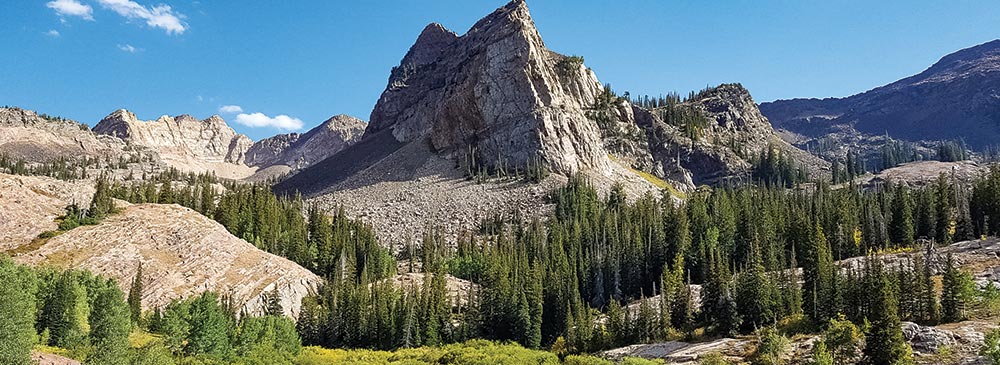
(495, 95)
(25, 134)
(297, 151)
(734, 134)
(183, 254)
(956, 98)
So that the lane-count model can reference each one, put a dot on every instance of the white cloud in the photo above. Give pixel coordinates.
(128, 48)
(71, 8)
(230, 109)
(257, 120)
(52, 33)
(159, 16)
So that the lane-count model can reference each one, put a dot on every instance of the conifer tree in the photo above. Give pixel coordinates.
(901, 229)
(943, 210)
(819, 278)
(66, 313)
(101, 204)
(135, 297)
(110, 327)
(17, 314)
(885, 343)
(956, 292)
(209, 327)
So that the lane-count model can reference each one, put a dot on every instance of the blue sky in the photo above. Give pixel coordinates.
(308, 60)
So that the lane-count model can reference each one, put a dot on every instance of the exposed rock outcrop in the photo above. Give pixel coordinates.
(956, 98)
(184, 142)
(733, 134)
(497, 91)
(27, 135)
(29, 206)
(183, 253)
(298, 151)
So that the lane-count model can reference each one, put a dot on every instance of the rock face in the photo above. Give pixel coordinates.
(956, 98)
(183, 253)
(27, 135)
(30, 205)
(183, 142)
(735, 133)
(298, 151)
(497, 91)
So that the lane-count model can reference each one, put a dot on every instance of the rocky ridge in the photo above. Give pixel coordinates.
(735, 133)
(184, 142)
(32, 203)
(298, 151)
(182, 254)
(35, 137)
(956, 98)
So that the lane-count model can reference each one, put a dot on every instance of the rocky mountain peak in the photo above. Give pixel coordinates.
(183, 141)
(297, 151)
(495, 91)
(341, 122)
(731, 106)
(429, 45)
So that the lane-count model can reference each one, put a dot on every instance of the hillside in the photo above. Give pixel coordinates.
(182, 254)
(25, 134)
(956, 98)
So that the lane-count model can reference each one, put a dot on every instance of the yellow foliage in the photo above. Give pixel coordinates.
(652, 179)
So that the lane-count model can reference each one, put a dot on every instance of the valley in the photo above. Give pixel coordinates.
(501, 204)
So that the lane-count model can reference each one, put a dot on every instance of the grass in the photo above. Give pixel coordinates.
(140, 338)
(652, 179)
(52, 350)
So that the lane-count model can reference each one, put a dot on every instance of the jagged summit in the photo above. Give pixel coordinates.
(495, 90)
(183, 142)
(296, 151)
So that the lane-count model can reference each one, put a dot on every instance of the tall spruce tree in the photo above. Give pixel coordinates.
(819, 278)
(901, 228)
(135, 297)
(885, 342)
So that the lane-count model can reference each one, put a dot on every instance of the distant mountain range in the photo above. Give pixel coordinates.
(956, 98)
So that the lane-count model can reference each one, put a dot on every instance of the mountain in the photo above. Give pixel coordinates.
(184, 142)
(956, 98)
(25, 134)
(496, 99)
(733, 133)
(495, 93)
(296, 151)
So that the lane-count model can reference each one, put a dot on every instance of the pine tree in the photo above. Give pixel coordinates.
(65, 315)
(17, 314)
(956, 292)
(755, 297)
(819, 277)
(167, 195)
(135, 297)
(209, 327)
(930, 311)
(901, 229)
(101, 204)
(885, 343)
(111, 326)
(943, 210)
(272, 304)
